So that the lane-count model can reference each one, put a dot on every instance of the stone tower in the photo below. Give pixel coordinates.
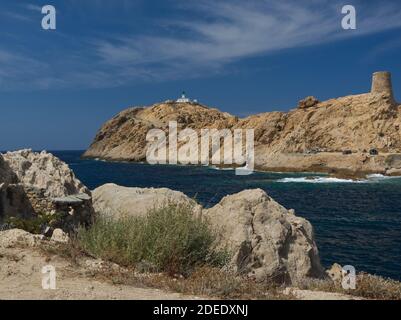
(381, 83)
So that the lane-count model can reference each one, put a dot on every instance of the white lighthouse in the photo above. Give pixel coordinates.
(183, 98)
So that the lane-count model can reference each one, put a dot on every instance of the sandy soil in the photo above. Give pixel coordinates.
(21, 278)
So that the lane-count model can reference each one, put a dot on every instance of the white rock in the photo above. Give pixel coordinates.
(268, 242)
(59, 236)
(44, 171)
(335, 273)
(116, 201)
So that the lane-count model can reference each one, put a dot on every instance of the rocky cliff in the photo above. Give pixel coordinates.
(354, 135)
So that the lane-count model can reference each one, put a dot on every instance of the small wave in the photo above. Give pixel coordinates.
(371, 178)
(378, 176)
(222, 169)
(319, 180)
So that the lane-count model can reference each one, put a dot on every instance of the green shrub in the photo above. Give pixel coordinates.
(168, 239)
(35, 225)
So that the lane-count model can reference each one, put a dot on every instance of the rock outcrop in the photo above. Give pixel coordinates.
(17, 237)
(311, 137)
(308, 102)
(116, 201)
(60, 236)
(267, 241)
(44, 171)
(124, 136)
(34, 184)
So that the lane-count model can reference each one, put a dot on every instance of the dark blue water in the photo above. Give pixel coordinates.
(355, 223)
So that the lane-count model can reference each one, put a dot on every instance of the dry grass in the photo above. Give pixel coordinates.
(217, 283)
(70, 251)
(367, 286)
(204, 282)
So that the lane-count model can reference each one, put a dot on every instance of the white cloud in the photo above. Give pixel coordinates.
(205, 38)
(32, 7)
(232, 30)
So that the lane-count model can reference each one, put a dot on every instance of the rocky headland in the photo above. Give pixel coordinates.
(353, 135)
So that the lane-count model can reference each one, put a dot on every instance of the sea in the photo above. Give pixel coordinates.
(356, 223)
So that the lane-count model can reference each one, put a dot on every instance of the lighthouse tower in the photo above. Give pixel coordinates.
(183, 98)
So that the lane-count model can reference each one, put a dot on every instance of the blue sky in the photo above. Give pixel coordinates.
(57, 87)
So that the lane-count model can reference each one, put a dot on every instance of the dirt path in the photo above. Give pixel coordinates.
(21, 278)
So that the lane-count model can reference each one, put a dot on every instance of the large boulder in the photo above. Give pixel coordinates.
(44, 171)
(33, 184)
(268, 242)
(117, 201)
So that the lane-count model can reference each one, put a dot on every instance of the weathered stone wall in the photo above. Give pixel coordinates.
(69, 212)
(39, 202)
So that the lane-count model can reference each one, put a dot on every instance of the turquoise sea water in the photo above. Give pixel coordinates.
(356, 223)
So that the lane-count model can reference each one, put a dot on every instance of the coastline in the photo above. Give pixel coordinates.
(337, 172)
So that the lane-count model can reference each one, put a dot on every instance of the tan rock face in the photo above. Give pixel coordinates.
(312, 137)
(308, 102)
(124, 136)
(269, 242)
(116, 201)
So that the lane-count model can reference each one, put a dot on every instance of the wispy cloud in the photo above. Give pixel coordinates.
(234, 30)
(209, 35)
(32, 7)
(16, 16)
